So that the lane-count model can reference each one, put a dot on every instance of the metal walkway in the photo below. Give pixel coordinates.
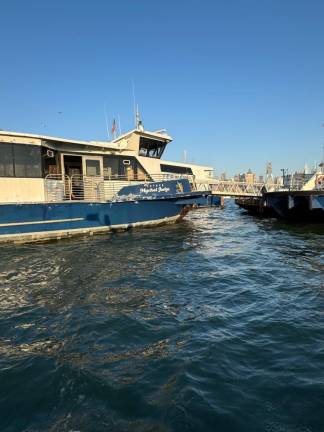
(239, 189)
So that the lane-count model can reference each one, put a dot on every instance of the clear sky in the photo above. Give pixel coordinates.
(236, 83)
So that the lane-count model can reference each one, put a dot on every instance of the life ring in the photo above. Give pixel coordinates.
(320, 180)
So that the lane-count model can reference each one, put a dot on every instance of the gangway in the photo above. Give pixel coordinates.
(240, 189)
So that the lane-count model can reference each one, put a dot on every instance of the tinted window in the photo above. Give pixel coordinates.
(93, 167)
(6, 160)
(176, 169)
(28, 161)
(111, 166)
(151, 148)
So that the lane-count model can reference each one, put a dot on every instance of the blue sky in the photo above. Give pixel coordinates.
(236, 83)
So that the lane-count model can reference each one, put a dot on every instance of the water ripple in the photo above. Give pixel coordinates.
(212, 324)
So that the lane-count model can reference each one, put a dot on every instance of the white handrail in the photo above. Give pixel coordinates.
(59, 187)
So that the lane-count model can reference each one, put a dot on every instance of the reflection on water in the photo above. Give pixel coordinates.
(214, 323)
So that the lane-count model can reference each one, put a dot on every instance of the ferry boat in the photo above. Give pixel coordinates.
(54, 187)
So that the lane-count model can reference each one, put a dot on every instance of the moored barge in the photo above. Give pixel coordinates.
(305, 204)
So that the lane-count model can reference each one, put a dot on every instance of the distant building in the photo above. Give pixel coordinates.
(223, 176)
(269, 175)
(261, 179)
(296, 180)
(278, 180)
(250, 177)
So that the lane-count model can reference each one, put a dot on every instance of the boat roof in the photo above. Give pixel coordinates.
(107, 144)
(160, 135)
(187, 165)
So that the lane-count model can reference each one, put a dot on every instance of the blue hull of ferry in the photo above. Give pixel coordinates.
(26, 218)
(136, 206)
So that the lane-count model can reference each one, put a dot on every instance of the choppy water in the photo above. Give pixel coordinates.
(214, 324)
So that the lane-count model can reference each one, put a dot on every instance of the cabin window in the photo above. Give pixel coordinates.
(20, 160)
(174, 169)
(6, 160)
(151, 148)
(92, 167)
(111, 166)
(28, 161)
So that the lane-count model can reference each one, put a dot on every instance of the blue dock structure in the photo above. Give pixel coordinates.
(303, 202)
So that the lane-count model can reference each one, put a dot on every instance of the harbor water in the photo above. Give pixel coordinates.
(212, 324)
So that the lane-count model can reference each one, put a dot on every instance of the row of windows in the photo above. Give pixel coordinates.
(19, 160)
(175, 169)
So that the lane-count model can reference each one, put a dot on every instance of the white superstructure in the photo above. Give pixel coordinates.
(27, 161)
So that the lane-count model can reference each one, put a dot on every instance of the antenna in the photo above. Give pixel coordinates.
(107, 127)
(134, 103)
(139, 123)
(137, 117)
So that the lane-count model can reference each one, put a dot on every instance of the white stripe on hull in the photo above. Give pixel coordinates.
(40, 222)
(59, 234)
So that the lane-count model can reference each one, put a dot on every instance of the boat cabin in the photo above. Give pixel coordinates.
(39, 168)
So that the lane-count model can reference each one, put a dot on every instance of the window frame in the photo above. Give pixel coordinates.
(39, 148)
(13, 146)
(10, 145)
(175, 169)
(85, 158)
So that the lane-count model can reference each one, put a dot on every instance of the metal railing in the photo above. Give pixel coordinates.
(59, 187)
(237, 189)
(149, 177)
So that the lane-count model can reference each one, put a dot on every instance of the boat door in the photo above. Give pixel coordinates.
(74, 170)
(93, 177)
